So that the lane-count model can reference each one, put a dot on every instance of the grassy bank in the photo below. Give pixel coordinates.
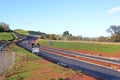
(95, 47)
(22, 32)
(5, 36)
(27, 66)
(24, 64)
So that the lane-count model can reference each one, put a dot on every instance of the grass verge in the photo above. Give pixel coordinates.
(27, 66)
(23, 66)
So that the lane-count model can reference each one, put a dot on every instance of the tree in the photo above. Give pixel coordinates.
(115, 32)
(58, 37)
(70, 34)
(114, 29)
(44, 36)
(52, 37)
(102, 39)
(4, 27)
(66, 33)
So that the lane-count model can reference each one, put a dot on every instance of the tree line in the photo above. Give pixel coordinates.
(114, 30)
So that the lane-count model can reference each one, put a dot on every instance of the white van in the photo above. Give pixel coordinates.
(1, 48)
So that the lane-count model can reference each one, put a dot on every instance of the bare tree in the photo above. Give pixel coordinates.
(115, 32)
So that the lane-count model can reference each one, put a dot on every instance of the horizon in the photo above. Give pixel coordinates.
(86, 18)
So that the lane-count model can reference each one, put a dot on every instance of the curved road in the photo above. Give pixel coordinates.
(97, 71)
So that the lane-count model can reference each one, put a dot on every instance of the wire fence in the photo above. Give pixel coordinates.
(6, 60)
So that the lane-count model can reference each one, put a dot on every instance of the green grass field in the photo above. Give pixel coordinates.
(95, 47)
(22, 32)
(4, 36)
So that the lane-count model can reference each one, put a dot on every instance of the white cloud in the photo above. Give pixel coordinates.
(118, 18)
(113, 10)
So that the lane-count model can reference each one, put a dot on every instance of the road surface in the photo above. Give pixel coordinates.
(114, 61)
(95, 70)
(98, 71)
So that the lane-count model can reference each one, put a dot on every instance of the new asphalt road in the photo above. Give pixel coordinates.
(98, 71)
(95, 70)
(100, 58)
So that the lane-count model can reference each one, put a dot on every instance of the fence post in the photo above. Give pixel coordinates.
(13, 57)
(5, 64)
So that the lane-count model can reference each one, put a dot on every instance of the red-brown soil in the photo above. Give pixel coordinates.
(111, 65)
(49, 71)
(115, 55)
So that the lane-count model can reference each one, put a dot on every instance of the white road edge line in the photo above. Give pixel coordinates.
(86, 57)
(83, 61)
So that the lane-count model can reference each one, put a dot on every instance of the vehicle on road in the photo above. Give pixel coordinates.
(35, 48)
(1, 49)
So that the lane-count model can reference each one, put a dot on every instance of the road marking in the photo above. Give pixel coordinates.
(83, 61)
(77, 55)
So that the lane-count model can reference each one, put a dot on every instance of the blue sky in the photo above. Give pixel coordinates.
(89, 18)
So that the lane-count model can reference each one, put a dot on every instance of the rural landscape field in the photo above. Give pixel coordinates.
(59, 40)
(27, 65)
